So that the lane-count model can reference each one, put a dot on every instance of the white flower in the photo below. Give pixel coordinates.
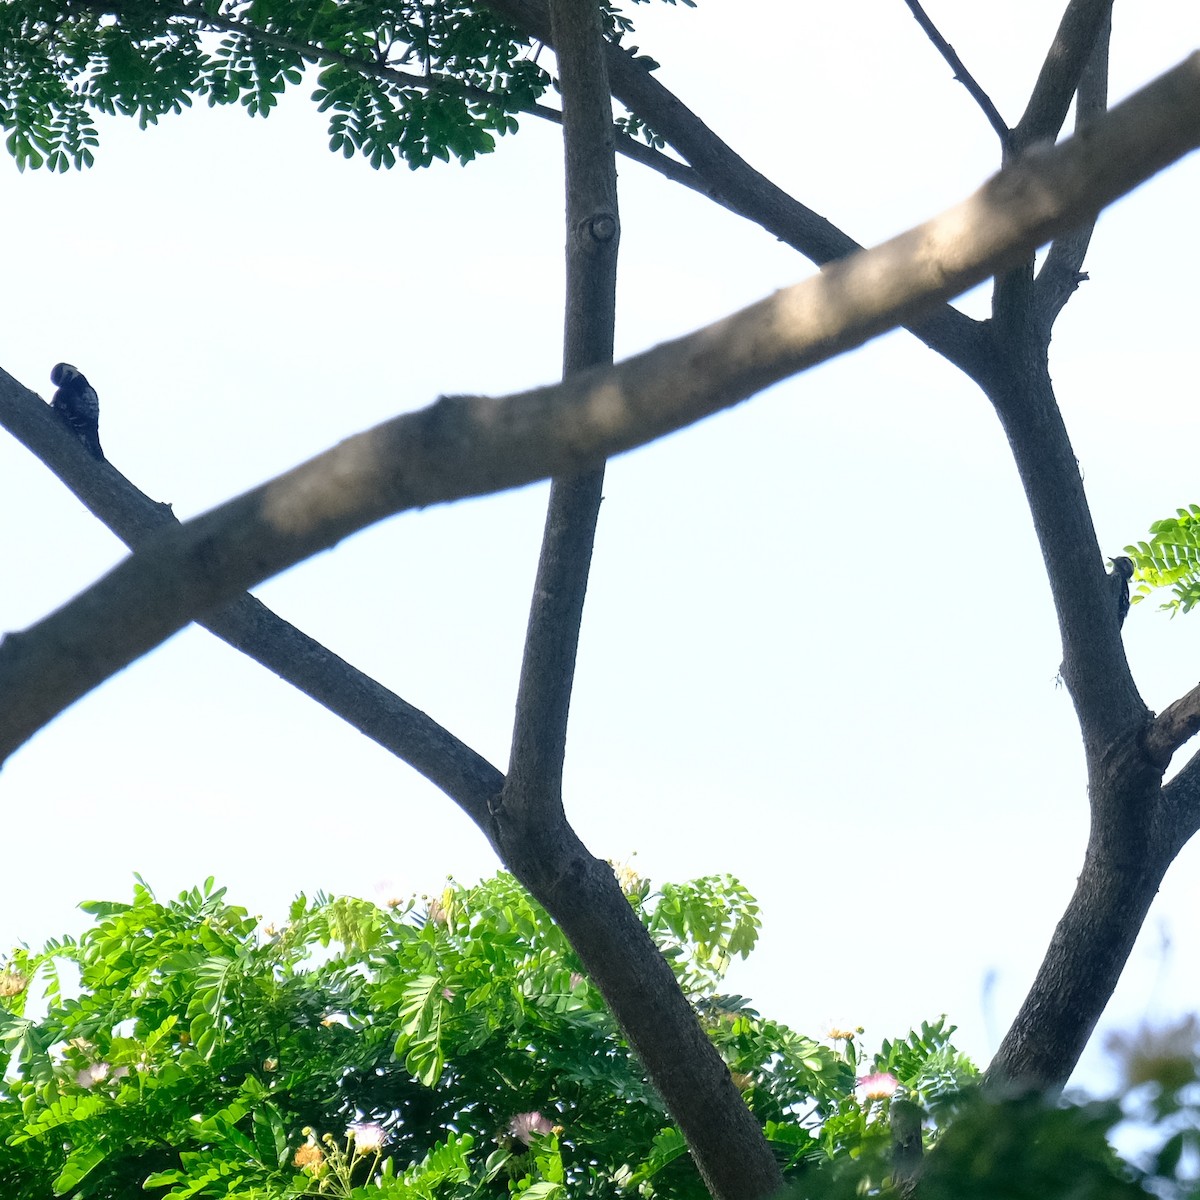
(880, 1086)
(367, 1135)
(89, 1076)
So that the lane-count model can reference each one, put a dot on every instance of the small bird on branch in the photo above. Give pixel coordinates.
(78, 405)
(1118, 580)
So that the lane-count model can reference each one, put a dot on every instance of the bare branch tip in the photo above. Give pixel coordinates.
(962, 75)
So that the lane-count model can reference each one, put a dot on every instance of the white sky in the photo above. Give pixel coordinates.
(819, 650)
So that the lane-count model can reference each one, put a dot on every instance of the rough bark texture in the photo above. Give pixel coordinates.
(1084, 960)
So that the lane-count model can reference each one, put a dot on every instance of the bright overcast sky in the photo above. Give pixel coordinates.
(819, 650)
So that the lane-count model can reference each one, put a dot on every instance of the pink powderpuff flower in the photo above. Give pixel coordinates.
(368, 1136)
(528, 1125)
(880, 1086)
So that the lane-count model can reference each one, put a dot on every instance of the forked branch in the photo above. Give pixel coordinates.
(250, 626)
(472, 445)
(1062, 271)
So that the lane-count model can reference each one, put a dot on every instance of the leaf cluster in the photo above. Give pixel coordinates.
(187, 1049)
(1170, 559)
(401, 82)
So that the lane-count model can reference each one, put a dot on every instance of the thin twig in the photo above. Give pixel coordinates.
(962, 74)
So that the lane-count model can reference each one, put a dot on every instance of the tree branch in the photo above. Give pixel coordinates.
(249, 626)
(619, 954)
(1181, 801)
(1044, 115)
(465, 446)
(1094, 666)
(943, 47)
(1062, 271)
(536, 841)
(592, 236)
(1173, 727)
(1059, 77)
(737, 186)
(1087, 954)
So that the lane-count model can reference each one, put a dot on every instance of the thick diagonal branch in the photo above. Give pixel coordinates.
(1087, 954)
(472, 445)
(251, 627)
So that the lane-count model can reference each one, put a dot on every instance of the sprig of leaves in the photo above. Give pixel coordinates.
(401, 81)
(1170, 559)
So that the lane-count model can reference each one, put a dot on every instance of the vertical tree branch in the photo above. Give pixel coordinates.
(1062, 271)
(530, 827)
(593, 233)
(1130, 842)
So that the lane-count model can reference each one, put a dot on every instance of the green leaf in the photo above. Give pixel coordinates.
(79, 1165)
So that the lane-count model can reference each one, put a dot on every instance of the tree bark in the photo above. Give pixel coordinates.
(529, 825)
(1086, 956)
(1134, 835)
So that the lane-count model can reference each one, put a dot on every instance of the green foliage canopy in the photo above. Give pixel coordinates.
(409, 82)
(200, 1053)
(453, 1048)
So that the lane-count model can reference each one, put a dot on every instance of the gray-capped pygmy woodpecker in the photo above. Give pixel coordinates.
(77, 403)
(1122, 573)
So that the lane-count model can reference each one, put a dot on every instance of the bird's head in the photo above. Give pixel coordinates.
(62, 373)
(1123, 566)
